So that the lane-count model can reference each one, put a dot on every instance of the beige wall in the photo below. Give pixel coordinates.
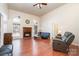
(24, 16)
(67, 18)
(4, 18)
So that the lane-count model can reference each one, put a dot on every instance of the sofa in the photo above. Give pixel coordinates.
(63, 43)
(44, 35)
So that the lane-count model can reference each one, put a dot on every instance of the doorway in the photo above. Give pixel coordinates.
(0, 26)
(16, 28)
(35, 29)
(1, 30)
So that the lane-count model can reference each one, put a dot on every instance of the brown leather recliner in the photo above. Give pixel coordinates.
(63, 43)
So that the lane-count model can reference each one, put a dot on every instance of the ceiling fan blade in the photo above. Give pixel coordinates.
(39, 5)
(35, 4)
(44, 3)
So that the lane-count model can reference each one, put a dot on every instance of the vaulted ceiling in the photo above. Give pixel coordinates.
(28, 8)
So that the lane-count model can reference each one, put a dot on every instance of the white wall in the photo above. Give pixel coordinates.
(66, 16)
(24, 16)
(4, 18)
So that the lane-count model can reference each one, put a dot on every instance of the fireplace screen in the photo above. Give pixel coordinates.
(27, 34)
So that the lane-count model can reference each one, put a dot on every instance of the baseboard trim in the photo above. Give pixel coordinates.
(75, 44)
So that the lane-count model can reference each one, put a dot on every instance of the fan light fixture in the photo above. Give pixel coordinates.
(39, 5)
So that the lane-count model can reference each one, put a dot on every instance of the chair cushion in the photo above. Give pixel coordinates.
(64, 38)
(5, 49)
(67, 34)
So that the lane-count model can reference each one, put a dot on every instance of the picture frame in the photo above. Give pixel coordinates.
(27, 21)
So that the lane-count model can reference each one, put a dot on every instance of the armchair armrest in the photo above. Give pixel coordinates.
(59, 43)
(59, 40)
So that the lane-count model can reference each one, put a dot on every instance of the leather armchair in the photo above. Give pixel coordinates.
(63, 43)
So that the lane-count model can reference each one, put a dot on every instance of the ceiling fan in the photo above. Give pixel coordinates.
(39, 5)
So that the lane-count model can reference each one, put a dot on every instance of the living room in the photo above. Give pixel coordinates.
(52, 19)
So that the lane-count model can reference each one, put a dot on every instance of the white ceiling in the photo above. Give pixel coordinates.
(28, 8)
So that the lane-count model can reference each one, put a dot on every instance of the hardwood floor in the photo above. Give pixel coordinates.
(39, 47)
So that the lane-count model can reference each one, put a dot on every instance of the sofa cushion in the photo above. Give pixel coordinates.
(45, 35)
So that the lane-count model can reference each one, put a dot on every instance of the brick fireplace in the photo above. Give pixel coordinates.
(27, 31)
